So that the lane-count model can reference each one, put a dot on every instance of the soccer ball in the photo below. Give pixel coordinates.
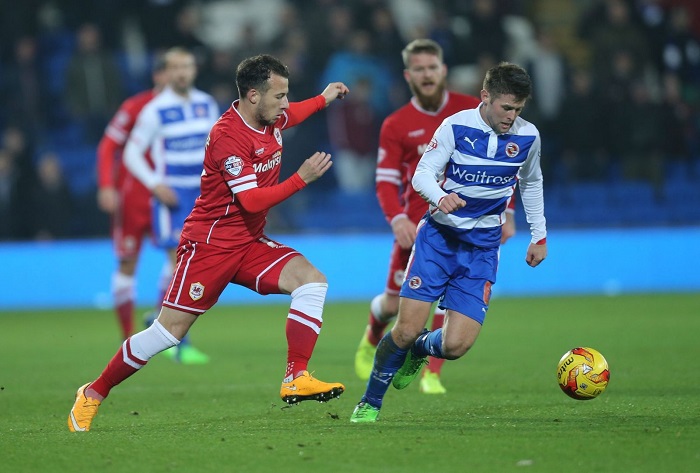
(583, 373)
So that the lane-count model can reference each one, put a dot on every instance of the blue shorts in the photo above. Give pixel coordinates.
(457, 274)
(168, 221)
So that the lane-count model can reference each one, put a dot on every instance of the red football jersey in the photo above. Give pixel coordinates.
(403, 138)
(238, 157)
(111, 173)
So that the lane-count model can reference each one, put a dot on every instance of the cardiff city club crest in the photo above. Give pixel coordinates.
(196, 291)
(233, 165)
(512, 149)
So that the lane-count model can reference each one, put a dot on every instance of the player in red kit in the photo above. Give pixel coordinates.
(223, 239)
(403, 138)
(125, 199)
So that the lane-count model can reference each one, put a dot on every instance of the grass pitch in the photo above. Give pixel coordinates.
(503, 410)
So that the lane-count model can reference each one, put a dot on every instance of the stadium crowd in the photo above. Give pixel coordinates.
(616, 92)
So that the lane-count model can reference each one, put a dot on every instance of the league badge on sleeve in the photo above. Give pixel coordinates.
(233, 165)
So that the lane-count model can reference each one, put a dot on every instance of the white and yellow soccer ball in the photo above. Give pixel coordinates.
(583, 373)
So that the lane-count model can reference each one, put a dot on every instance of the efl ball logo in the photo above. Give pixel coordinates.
(432, 145)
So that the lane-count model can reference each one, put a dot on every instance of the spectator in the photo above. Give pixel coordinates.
(334, 25)
(549, 71)
(17, 179)
(679, 135)
(639, 122)
(24, 93)
(14, 211)
(487, 40)
(356, 60)
(583, 156)
(614, 32)
(93, 84)
(52, 200)
(681, 48)
(217, 77)
(353, 128)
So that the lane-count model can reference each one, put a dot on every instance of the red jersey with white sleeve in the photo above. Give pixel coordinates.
(403, 137)
(111, 171)
(242, 162)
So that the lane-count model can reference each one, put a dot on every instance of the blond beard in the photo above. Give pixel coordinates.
(430, 103)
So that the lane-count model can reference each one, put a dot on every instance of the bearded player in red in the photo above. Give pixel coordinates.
(403, 138)
(223, 242)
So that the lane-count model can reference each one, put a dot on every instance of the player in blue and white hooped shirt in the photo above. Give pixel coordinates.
(174, 126)
(467, 174)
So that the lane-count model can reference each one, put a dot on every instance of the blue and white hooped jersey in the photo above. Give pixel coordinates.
(466, 156)
(175, 129)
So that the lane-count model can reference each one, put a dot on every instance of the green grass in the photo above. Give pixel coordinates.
(503, 410)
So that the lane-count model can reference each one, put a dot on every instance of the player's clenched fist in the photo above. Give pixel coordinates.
(450, 203)
(335, 90)
(315, 167)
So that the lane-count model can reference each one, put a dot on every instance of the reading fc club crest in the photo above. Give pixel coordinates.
(233, 165)
(512, 149)
(278, 136)
(415, 282)
(196, 291)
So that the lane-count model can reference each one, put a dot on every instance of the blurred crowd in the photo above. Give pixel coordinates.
(616, 83)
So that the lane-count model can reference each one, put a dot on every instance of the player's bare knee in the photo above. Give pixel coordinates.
(455, 351)
(311, 276)
(404, 334)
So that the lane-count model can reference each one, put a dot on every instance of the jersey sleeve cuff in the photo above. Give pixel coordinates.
(297, 181)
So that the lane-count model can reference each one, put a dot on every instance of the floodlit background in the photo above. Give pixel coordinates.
(616, 98)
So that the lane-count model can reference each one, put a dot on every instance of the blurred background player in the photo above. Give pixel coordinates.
(403, 138)
(174, 126)
(126, 200)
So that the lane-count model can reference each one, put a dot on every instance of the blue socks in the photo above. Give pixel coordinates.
(389, 359)
(387, 362)
(429, 343)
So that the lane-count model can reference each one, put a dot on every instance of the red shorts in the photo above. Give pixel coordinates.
(203, 271)
(397, 268)
(131, 222)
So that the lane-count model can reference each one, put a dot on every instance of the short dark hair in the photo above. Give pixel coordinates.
(508, 79)
(254, 72)
(419, 46)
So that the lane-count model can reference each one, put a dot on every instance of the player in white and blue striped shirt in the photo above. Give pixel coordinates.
(174, 127)
(467, 174)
